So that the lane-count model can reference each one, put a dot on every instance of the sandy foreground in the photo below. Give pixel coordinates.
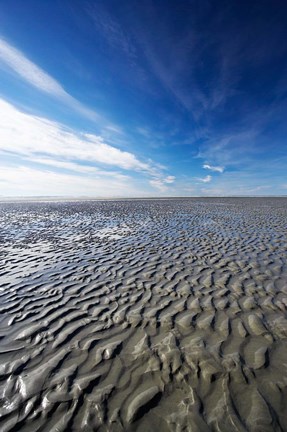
(144, 315)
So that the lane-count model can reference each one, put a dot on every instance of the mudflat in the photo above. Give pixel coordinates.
(144, 315)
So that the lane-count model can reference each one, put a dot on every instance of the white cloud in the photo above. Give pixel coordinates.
(169, 179)
(161, 183)
(26, 181)
(72, 166)
(206, 179)
(214, 168)
(158, 184)
(29, 71)
(36, 77)
(27, 139)
(28, 135)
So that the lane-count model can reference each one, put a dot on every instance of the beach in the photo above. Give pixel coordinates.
(144, 315)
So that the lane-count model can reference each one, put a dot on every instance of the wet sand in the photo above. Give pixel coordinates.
(152, 315)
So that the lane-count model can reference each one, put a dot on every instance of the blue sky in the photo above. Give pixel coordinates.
(154, 98)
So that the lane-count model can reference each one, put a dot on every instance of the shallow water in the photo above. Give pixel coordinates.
(144, 315)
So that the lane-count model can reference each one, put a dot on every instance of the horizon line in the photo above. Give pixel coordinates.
(39, 198)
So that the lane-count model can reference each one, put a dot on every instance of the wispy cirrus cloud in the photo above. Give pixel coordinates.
(48, 143)
(219, 169)
(29, 135)
(230, 148)
(75, 167)
(28, 71)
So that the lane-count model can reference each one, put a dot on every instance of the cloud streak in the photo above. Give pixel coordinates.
(28, 71)
(27, 181)
(75, 167)
(162, 183)
(206, 179)
(29, 135)
(219, 169)
(48, 143)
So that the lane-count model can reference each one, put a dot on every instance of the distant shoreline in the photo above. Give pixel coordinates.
(77, 199)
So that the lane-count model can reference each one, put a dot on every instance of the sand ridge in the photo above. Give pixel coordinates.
(147, 315)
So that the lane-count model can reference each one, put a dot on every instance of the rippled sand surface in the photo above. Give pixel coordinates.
(155, 315)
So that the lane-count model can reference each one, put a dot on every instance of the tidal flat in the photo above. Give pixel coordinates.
(144, 315)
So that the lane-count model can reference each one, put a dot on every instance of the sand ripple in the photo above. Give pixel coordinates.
(164, 315)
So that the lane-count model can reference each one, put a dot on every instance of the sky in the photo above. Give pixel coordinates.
(108, 98)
